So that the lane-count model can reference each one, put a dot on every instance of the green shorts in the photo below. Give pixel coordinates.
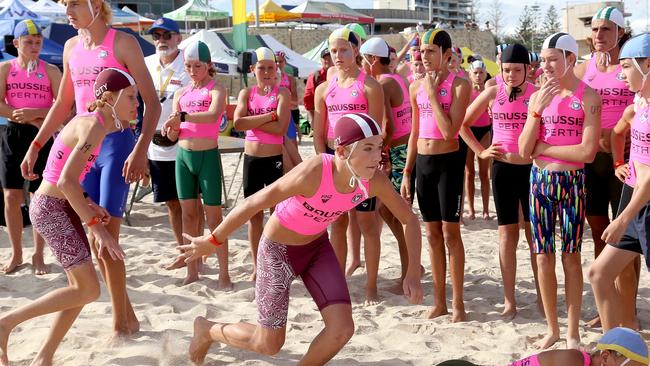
(199, 171)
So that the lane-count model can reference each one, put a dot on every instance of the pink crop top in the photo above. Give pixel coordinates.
(428, 125)
(312, 215)
(613, 92)
(85, 65)
(640, 142)
(32, 90)
(401, 114)
(194, 101)
(508, 119)
(285, 82)
(260, 104)
(340, 101)
(484, 119)
(562, 122)
(60, 153)
(534, 360)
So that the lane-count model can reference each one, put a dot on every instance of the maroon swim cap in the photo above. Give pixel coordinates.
(417, 56)
(112, 80)
(353, 127)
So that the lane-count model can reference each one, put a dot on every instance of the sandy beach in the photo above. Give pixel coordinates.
(391, 333)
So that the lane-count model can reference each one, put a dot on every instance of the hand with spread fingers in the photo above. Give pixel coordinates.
(198, 247)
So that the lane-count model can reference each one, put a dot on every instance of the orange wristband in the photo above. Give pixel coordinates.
(274, 116)
(37, 144)
(618, 163)
(94, 221)
(213, 240)
(536, 115)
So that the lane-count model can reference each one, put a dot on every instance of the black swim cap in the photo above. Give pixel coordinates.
(515, 54)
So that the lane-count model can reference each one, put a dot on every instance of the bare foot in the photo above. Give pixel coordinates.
(134, 326)
(371, 296)
(253, 276)
(39, 361)
(118, 338)
(486, 216)
(458, 316)
(225, 284)
(4, 340)
(397, 288)
(351, 268)
(13, 264)
(471, 215)
(594, 323)
(573, 343)
(436, 312)
(201, 340)
(176, 264)
(547, 341)
(509, 313)
(190, 279)
(38, 265)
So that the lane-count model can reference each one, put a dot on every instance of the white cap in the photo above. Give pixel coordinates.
(561, 41)
(612, 14)
(375, 47)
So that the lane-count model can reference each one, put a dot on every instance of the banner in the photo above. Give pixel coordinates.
(239, 25)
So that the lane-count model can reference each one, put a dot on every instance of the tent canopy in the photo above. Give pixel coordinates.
(16, 11)
(50, 9)
(491, 66)
(314, 53)
(271, 12)
(142, 19)
(196, 11)
(223, 55)
(122, 17)
(60, 33)
(326, 12)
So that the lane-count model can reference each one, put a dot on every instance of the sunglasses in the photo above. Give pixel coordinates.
(157, 36)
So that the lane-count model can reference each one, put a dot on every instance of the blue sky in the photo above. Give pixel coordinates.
(514, 7)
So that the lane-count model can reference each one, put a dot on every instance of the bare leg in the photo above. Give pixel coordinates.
(255, 227)
(83, 288)
(573, 288)
(176, 223)
(354, 243)
(13, 198)
(451, 233)
(398, 231)
(470, 174)
(214, 217)
(114, 272)
(548, 287)
(627, 286)
(190, 218)
(508, 239)
(291, 148)
(338, 240)
(438, 268)
(602, 274)
(484, 176)
(370, 226)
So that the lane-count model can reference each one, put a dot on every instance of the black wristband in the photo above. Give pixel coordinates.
(183, 115)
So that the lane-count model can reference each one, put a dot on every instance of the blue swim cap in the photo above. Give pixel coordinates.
(636, 47)
(626, 342)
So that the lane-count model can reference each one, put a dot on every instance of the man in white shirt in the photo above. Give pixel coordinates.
(168, 73)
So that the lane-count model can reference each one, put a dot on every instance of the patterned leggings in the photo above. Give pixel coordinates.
(553, 194)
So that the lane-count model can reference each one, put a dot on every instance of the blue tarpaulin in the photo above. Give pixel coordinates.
(60, 33)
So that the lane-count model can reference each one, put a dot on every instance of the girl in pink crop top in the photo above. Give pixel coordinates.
(28, 89)
(340, 100)
(402, 115)
(613, 91)
(295, 241)
(196, 100)
(260, 104)
(509, 118)
(428, 125)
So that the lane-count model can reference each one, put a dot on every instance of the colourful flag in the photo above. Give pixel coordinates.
(239, 25)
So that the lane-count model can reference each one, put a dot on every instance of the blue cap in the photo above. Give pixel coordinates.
(26, 28)
(636, 47)
(165, 24)
(626, 342)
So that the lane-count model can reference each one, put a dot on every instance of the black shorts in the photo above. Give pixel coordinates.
(603, 189)
(636, 235)
(162, 180)
(511, 189)
(295, 117)
(15, 139)
(368, 205)
(260, 172)
(439, 186)
(480, 132)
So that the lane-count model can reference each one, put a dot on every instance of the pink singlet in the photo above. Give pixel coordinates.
(613, 92)
(401, 114)
(428, 125)
(640, 146)
(508, 119)
(285, 82)
(498, 79)
(340, 101)
(410, 76)
(484, 119)
(85, 65)
(562, 122)
(60, 153)
(260, 104)
(534, 360)
(312, 215)
(32, 90)
(194, 101)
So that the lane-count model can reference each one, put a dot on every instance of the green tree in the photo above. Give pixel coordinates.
(551, 22)
(526, 28)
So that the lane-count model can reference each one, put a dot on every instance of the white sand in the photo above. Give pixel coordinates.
(391, 333)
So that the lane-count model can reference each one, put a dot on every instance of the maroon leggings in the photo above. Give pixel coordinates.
(279, 264)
